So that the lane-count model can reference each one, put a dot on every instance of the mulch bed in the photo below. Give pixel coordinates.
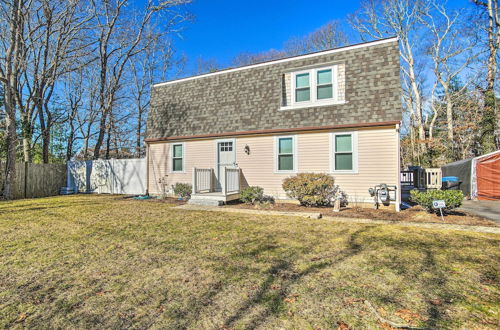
(414, 214)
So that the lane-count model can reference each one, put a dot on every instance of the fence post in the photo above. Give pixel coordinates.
(224, 181)
(194, 181)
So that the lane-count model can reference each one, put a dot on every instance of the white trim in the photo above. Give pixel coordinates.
(354, 142)
(313, 87)
(171, 157)
(275, 154)
(217, 141)
(311, 105)
(301, 57)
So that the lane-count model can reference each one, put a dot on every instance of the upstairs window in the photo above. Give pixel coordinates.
(314, 86)
(324, 84)
(302, 87)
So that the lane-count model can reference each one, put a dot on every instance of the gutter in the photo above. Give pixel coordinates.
(271, 131)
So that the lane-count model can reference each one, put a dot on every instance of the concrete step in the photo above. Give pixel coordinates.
(205, 201)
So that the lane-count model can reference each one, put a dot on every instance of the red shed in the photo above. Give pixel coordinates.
(486, 176)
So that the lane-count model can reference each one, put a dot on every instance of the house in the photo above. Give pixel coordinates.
(336, 111)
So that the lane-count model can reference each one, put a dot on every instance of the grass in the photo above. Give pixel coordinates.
(104, 261)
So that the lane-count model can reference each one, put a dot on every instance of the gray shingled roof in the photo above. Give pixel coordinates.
(249, 98)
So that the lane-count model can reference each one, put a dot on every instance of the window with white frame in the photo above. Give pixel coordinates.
(314, 85)
(302, 87)
(344, 158)
(285, 153)
(324, 84)
(178, 157)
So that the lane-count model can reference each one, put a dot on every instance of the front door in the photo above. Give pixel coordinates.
(226, 157)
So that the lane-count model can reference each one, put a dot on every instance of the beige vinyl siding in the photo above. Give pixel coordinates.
(378, 162)
(196, 154)
(378, 159)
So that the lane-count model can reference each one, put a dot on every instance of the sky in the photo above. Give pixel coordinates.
(224, 28)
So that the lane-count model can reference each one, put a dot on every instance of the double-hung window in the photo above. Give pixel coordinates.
(314, 86)
(178, 157)
(285, 146)
(324, 84)
(344, 157)
(302, 87)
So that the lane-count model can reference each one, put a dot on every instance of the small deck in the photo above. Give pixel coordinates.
(212, 191)
(421, 179)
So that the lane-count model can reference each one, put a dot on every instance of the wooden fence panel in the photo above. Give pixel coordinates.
(36, 180)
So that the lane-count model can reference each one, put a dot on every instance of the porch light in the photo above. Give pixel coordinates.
(247, 149)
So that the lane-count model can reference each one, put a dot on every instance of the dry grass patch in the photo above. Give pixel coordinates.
(94, 261)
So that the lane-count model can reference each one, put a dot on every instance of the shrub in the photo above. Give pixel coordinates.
(255, 194)
(182, 190)
(312, 189)
(452, 198)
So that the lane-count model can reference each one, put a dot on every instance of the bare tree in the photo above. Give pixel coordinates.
(452, 51)
(327, 36)
(148, 65)
(55, 46)
(330, 35)
(402, 18)
(207, 65)
(12, 26)
(489, 9)
(119, 40)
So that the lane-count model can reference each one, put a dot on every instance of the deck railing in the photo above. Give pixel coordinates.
(202, 180)
(231, 182)
(433, 178)
(428, 178)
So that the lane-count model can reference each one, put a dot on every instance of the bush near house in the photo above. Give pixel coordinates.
(452, 198)
(250, 195)
(183, 190)
(313, 189)
(255, 195)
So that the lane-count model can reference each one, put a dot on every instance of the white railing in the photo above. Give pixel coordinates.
(202, 180)
(428, 178)
(231, 183)
(433, 178)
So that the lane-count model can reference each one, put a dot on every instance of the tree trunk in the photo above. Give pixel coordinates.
(10, 80)
(11, 139)
(45, 128)
(138, 135)
(489, 119)
(27, 138)
(102, 132)
(449, 114)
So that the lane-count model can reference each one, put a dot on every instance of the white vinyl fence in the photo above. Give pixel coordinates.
(110, 176)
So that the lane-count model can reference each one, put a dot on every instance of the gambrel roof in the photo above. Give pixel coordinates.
(254, 98)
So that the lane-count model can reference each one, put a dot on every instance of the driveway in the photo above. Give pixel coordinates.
(486, 209)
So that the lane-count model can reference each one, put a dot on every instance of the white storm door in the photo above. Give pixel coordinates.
(226, 157)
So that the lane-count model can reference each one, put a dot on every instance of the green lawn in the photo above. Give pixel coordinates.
(103, 261)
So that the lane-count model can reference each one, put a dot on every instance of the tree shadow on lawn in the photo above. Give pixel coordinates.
(283, 271)
(432, 276)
